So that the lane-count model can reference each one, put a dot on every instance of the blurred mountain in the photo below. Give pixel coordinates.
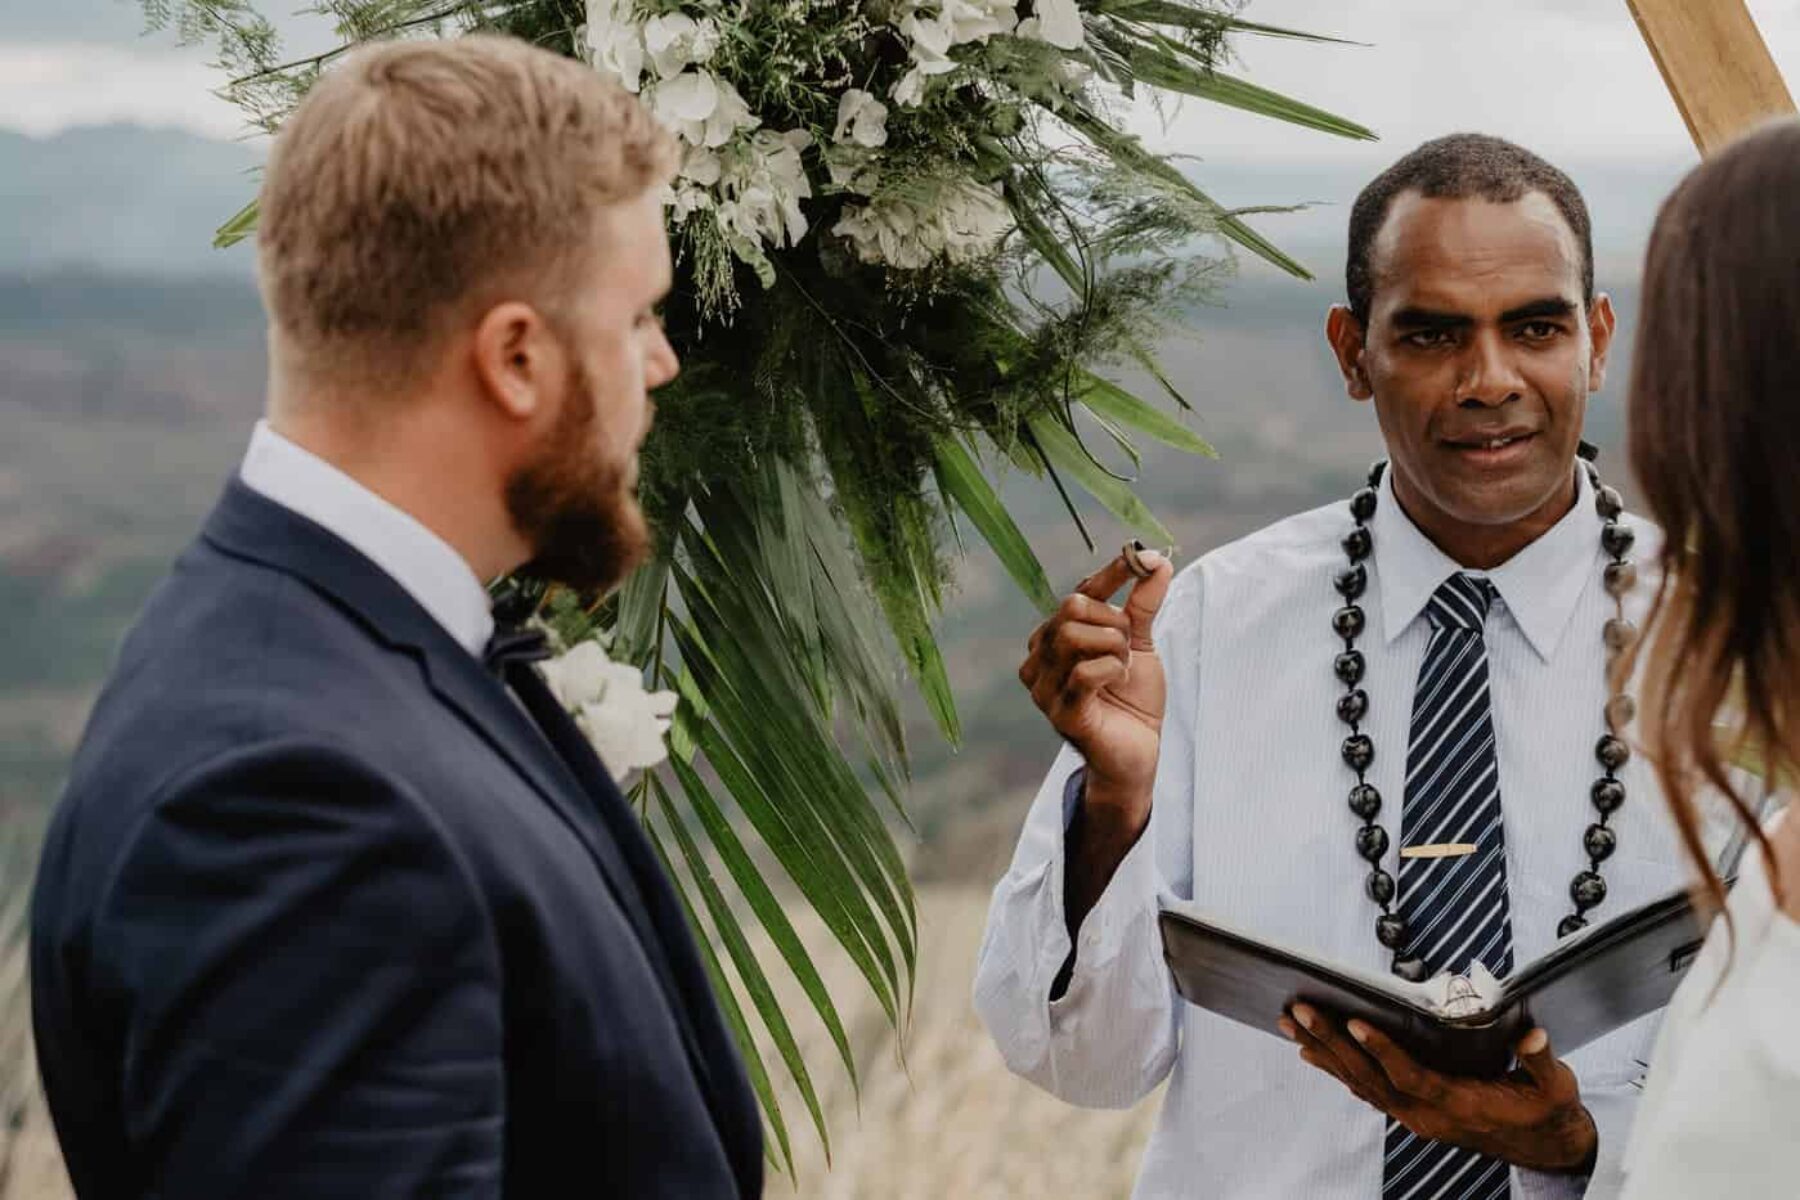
(122, 198)
(128, 198)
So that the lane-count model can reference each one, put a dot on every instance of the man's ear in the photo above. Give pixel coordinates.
(513, 356)
(1347, 339)
(1601, 323)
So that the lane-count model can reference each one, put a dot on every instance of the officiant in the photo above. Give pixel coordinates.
(1381, 732)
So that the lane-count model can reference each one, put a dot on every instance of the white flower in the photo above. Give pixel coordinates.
(676, 41)
(972, 219)
(700, 165)
(885, 232)
(579, 676)
(692, 188)
(625, 723)
(852, 168)
(933, 28)
(910, 90)
(931, 39)
(702, 108)
(614, 42)
(627, 728)
(683, 202)
(862, 117)
(978, 20)
(965, 221)
(1057, 22)
(1073, 74)
(763, 185)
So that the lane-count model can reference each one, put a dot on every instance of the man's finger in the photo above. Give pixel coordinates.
(1087, 677)
(1102, 584)
(1407, 1076)
(1078, 610)
(1146, 598)
(1322, 1034)
(1323, 1060)
(1552, 1076)
(1077, 640)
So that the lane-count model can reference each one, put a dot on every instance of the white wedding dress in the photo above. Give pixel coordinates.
(1721, 1117)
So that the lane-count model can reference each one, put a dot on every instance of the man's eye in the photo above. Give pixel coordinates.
(1539, 331)
(1428, 339)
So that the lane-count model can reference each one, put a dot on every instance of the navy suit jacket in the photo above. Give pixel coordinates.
(323, 914)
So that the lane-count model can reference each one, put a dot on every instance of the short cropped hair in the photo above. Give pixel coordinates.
(418, 179)
(1462, 166)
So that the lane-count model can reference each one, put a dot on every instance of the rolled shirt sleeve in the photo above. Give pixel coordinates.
(1112, 1035)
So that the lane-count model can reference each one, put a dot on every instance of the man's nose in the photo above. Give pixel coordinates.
(1489, 377)
(663, 362)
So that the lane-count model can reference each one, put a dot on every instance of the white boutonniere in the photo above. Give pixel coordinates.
(625, 723)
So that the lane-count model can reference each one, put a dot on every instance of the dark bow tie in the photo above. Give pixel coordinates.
(514, 644)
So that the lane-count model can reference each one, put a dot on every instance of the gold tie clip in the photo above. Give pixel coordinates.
(1439, 850)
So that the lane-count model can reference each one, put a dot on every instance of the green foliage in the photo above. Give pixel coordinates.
(808, 468)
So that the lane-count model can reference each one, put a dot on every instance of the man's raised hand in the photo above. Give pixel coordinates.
(1093, 671)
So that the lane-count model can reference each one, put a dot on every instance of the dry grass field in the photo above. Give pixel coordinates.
(953, 1121)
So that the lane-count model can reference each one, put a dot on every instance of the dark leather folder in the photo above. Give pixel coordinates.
(1590, 985)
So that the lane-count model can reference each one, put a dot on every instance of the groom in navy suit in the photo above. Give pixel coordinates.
(339, 902)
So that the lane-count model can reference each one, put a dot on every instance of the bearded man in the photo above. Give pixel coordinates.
(338, 901)
(1382, 732)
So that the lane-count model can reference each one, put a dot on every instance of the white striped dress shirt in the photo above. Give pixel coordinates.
(1250, 822)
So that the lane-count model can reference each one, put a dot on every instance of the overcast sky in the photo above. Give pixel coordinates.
(1570, 78)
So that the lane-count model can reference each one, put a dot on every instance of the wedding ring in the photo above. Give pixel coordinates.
(1130, 551)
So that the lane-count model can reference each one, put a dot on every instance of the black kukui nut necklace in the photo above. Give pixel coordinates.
(1587, 889)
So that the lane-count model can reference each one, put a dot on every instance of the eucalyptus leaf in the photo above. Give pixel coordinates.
(1107, 399)
(1067, 454)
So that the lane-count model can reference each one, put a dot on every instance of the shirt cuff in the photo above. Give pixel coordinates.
(1102, 934)
(1612, 1109)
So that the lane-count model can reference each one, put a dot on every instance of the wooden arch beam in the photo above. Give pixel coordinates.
(1716, 66)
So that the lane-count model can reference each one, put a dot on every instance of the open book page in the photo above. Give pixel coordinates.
(1445, 995)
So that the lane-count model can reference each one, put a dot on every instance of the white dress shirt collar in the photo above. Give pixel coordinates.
(1539, 585)
(428, 567)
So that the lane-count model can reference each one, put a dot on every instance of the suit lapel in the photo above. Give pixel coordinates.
(727, 1088)
(532, 749)
(551, 755)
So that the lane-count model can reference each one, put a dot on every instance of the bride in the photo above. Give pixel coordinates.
(1715, 441)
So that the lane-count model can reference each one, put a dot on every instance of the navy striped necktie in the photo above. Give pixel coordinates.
(1455, 907)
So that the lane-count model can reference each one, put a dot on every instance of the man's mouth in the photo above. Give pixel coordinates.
(1493, 448)
(1489, 441)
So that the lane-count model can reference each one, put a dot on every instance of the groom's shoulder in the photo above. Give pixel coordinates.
(227, 655)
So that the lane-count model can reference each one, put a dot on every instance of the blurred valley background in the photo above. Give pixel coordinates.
(131, 367)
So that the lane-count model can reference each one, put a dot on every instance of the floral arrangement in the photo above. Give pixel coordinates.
(625, 723)
(912, 240)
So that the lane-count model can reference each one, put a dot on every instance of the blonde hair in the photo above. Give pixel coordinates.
(419, 180)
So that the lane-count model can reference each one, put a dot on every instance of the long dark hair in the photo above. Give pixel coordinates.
(1715, 443)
